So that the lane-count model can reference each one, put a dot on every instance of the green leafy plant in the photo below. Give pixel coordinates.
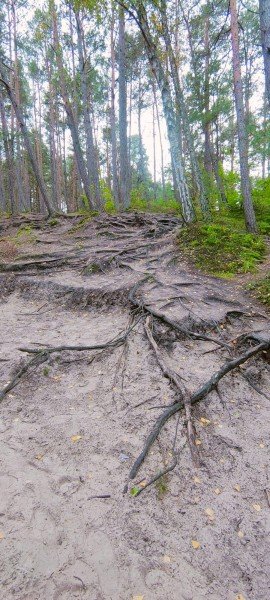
(262, 289)
(221, 249)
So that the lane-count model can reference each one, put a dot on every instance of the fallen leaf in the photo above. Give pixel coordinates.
(262, 445)
(137, 597)
(240, 597)
(240, 533)
(217, 491)
(195, 544)
(237, 487)
(197, 480)
(76, 438)
(210, 513)
(256, 507)
(198, 442)
(2, 535)
(166, 559)
(142, 483)
(39, 456)
(204, 421)
(134, 491)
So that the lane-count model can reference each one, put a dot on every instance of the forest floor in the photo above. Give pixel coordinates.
(76, 421)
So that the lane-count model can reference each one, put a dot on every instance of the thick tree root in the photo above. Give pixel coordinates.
(173, 324)
(182, 391)
(195, 397)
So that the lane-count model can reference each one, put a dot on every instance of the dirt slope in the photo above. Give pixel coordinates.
(74, 425)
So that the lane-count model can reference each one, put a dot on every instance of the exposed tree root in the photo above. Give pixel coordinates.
(33, 362)
(42, 354)
(195, 397)
(117, 341)
(182, 391)
(157, 313)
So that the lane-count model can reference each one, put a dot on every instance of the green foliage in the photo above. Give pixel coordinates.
(91, 269)
(137, 201)
(261, 199)
(46, 371)
(221, 249)
(170, 206)
(53, 222)
(107, 197)
(262, 289)
(26, 230)
(161, 487)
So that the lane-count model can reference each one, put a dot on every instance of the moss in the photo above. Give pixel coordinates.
(53, 222)
(162, 487)
(84, 221)
(91, 269)
(222, 250)
(262, 289)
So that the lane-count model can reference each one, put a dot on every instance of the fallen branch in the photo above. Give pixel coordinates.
(195, 397)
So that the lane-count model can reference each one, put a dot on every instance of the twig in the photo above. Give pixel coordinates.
(158, 476)
(111, 343)
(36, 360)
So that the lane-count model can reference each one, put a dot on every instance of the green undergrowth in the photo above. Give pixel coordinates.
(261, 289)
(222, 249)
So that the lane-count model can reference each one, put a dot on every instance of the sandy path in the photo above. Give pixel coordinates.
(56, 540)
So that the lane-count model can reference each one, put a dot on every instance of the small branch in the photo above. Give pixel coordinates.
(35, 361)
(110, 344)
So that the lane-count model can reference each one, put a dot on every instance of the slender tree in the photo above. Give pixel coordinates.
(241, 126)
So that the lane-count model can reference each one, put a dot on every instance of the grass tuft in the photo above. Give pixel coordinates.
(262, 289)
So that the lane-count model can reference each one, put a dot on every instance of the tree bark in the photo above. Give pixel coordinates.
(115, 176)
(25, 134)
(241, 126)
(69, 110)
(123, 154)
(180, 184)
(9, 161)
(91, 157)
(264, 8)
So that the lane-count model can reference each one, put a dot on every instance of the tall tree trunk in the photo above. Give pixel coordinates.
(180, 184)
(154, 150)
(160, 142)
(115, 177)
(91, 157)
(206, 122)
(241, 126)
(25, 134)
(264, 8)
(9, 161)
(123, 154)
(69, 110)
(183, 116)
(16, 80)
